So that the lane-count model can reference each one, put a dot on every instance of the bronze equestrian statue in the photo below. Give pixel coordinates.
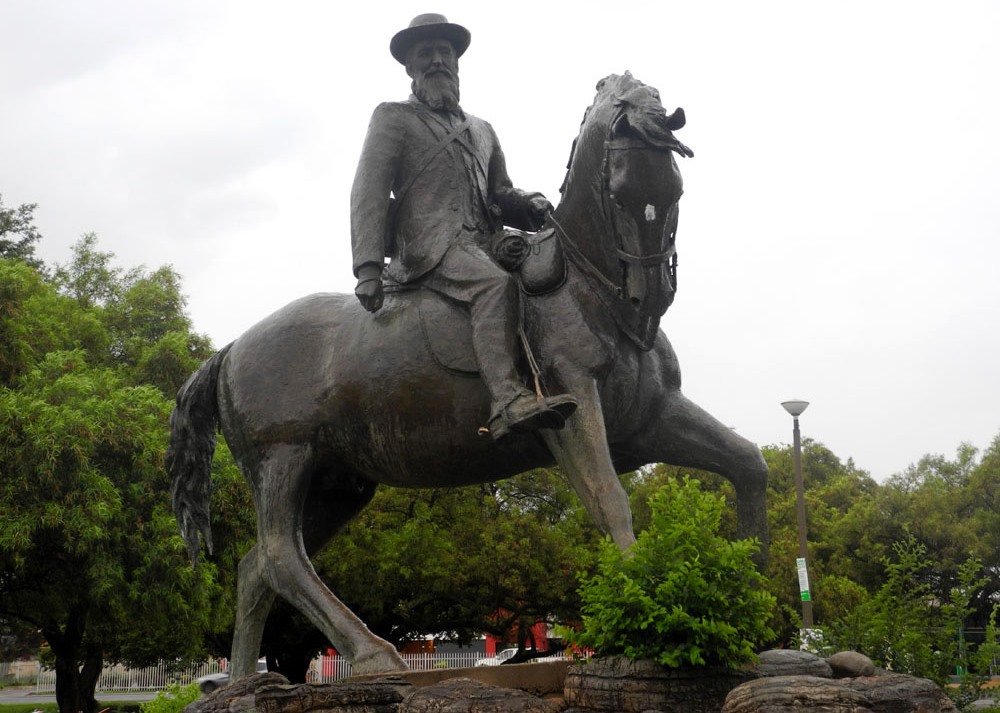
(323, 400)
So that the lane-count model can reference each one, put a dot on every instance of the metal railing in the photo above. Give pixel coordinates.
(18, 672)
(122, 678)
(323, 669)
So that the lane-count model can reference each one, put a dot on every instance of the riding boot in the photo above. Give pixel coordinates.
(495, 342)
(467, 275)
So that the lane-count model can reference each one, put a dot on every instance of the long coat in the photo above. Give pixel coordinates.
(447, 189)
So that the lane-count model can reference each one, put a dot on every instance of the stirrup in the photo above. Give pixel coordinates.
(541, 412)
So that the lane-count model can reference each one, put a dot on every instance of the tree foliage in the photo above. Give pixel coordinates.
(682, 595)
(904, 626)
(141, 312)
(18, 234)
(90, 552)
(463, 561)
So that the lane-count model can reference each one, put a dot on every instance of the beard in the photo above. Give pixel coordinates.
(438, 90)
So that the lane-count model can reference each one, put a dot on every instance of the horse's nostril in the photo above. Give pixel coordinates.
(635, 301)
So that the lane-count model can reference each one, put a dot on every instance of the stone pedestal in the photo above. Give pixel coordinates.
(890, 693)
(618, 685)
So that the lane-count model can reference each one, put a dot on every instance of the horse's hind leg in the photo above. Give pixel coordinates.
(282, 491)
(254, 598)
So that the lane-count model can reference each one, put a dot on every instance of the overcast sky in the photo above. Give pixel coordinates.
(839, 238)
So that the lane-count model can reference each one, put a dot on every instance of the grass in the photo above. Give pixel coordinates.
(29, 707)
(111, 706)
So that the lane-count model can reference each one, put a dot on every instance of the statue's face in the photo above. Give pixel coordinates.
(433, 66)
(427, 57)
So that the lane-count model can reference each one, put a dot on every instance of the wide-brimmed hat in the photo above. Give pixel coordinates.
(426, 27)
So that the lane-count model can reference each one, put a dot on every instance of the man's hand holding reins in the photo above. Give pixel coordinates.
(369, 288)
(539, 208)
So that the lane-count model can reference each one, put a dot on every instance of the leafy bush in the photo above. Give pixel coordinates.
(682, 595)
(907, 628)
(172, 700)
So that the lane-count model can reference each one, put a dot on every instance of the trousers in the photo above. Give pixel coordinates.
(467, 275)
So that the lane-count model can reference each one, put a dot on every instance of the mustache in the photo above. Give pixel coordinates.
(440, 72)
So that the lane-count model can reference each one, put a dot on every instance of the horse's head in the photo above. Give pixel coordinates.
(623, 161)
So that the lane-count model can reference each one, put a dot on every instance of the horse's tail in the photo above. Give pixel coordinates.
(189, 456)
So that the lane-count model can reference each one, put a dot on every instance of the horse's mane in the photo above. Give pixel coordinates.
(638, 113)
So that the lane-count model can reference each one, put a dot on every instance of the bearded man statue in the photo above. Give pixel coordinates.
(435, 179)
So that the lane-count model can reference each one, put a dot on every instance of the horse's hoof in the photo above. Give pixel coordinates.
(379, 662)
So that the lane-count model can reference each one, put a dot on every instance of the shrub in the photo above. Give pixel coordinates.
(909, 628)
(172, 699)
(682, 595)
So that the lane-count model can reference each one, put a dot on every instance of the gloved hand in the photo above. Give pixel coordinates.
(369, 288)
(538, 207)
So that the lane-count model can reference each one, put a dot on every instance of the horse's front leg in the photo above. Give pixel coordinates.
(684, 434)
(581, 449)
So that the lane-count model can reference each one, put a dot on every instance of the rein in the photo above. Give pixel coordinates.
(586, 266)
(612, 296)
(641, 329)
(626, 144)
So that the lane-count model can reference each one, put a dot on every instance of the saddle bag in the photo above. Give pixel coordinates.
(536, 258)
(544, 267)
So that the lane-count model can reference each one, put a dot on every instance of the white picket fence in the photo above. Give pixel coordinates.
(18, 673)
(121, 678)
(323, 669)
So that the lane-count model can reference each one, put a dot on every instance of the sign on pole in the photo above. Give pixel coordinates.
(800, 564)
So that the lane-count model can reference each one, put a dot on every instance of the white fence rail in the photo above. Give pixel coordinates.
(18, 672)
(120, 678)
(323, 669)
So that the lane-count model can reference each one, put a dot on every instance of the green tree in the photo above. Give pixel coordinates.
(34, 320)
(982, 507)
(905, 626)
(945, 506)
(142, 312)
(89, 547)
(495, 557)
(91, 277)
(18, 234)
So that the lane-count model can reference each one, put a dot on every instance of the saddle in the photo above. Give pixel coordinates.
(447, 333)
(537, 262)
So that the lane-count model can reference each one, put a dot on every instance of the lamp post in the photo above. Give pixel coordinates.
(795, 408)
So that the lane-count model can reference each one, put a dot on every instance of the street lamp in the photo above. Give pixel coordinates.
(795, 408)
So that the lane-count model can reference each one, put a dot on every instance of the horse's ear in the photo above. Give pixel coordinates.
(676, 120)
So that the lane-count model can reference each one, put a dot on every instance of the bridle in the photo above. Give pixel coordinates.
(610, 213)
(614, 295)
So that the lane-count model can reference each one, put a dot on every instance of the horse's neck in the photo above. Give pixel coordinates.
(582, 221)
(591, 247)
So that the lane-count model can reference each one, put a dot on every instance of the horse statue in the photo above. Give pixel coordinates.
(321, 401)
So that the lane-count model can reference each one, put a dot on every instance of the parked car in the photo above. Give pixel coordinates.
(215, 681)
(498, 659)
